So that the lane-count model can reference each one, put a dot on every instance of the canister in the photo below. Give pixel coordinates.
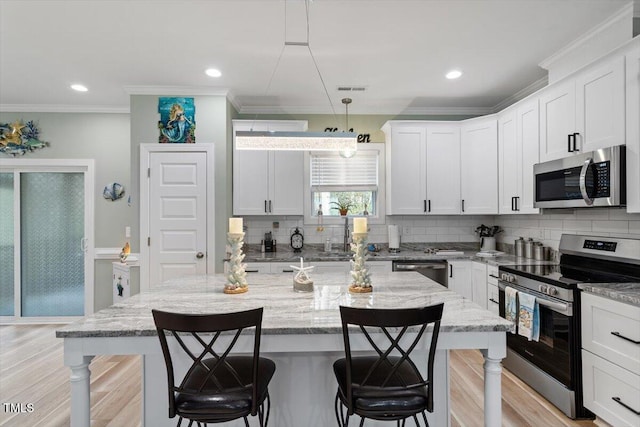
(538, 251)
(519, 243)
(528, 248)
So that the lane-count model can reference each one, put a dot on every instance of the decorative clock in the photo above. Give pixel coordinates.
(297, 240)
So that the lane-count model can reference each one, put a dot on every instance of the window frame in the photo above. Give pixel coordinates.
(379, 218)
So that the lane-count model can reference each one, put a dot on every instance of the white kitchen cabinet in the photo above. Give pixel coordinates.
(479, 280)
(479, 166)
(493, 297)
(518, 148)
(330, 267)
(423, 168)
(611, 359)
(585, 112)
(255, 267)
(632, 61)
(443, 169)
(283, 267)
(268, 182)
(460, 280)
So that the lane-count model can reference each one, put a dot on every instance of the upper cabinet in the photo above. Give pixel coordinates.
(518, 147)
(479, 166)
(423, 168)
(268, 182)
(633, 127)
(584, 112)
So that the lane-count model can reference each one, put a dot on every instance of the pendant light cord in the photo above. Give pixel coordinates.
(284, 45)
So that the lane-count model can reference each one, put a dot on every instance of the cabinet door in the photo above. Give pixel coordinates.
(406, 158)
(250, 184)
(443, 169)
(528, 154)
(600, 106)
(509, 170)
(479, 167)
(460, 280)
(479, 280)
(557, 120)
(286, 173)
(493, 299)
(633, 129)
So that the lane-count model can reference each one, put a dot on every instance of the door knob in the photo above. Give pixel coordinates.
(200, 255)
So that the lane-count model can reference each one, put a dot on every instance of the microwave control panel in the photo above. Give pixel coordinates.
(602, 172)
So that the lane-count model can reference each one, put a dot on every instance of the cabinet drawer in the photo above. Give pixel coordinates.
(608, 329)
(492, 275)
(282, 267)
(610, 392)
(493, 301)
(258, 267)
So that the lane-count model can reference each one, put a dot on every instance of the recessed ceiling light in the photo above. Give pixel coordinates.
(212, 72)
(79, 88)
(453, 74)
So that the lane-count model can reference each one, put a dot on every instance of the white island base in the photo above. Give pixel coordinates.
(303, 388)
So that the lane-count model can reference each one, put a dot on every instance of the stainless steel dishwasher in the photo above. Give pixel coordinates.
(435, 270)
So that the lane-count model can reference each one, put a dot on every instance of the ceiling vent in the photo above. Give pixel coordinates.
(351, 88)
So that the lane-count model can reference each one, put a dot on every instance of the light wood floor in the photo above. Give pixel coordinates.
(32, 371)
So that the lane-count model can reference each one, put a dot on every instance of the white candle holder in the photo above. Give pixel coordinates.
(236, 275)
(361, 280)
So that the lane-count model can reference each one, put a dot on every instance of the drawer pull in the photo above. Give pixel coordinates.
(493, 301)
(251, 271)
(495, 277)
(619, 335)
(287, 271)
(617, 400)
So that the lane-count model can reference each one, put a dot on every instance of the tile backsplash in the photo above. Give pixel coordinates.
(546, 227)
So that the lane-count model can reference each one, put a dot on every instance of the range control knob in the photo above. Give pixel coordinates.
(543, 289)
(552, 291)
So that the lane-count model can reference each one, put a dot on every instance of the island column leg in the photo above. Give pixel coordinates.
(80, 391)
(493, 380)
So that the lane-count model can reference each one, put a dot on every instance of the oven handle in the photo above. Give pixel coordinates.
(558, 307)
(583, 181)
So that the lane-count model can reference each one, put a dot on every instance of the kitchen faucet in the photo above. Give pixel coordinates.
(346, 234)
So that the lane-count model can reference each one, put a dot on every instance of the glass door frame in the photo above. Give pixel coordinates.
(85, 166)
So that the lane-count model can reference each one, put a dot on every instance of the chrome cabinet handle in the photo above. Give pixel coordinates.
(619, 401)
(619, 335)
(200, 255)
(583, 181)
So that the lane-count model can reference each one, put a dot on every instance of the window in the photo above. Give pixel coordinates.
(354, 182)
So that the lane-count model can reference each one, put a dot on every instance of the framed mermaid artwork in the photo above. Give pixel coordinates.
(177, 120)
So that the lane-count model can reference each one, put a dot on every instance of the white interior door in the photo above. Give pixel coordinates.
(177, 215)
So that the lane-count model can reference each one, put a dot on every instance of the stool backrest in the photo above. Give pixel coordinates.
(400, 330)
(199, 337)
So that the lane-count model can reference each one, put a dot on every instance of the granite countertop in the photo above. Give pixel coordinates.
(624, 292)
(408, 251)
(285, 311)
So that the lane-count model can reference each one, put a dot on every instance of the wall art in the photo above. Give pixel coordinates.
(17, 138)
(113, 191)
(177, 120)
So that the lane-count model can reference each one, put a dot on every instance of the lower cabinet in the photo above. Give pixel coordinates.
(319, 267)
(479, 280)
(459, 280)
(611, 359)
(493, 299)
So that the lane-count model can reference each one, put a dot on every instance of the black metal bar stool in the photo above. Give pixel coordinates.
(388, 385)
(218, 386)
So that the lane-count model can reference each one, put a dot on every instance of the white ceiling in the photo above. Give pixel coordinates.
(398, 49)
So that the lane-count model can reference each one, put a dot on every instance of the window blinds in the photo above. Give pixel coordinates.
(330, 172)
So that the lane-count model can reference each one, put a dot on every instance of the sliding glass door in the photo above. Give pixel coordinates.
(43, 243)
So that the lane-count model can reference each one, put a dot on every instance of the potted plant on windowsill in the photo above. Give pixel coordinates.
(342, 206)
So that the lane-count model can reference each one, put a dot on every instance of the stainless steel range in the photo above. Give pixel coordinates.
(552, 365)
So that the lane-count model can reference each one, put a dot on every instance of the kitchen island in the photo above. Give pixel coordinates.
(301, 333)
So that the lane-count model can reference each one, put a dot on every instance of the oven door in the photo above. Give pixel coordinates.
(553, 353)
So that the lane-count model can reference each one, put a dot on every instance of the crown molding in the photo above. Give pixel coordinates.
(418, 111)
(521, 94)
(62, 108)
(624, 12)
(175, 90)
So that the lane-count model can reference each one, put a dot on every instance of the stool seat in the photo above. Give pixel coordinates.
(212, 405)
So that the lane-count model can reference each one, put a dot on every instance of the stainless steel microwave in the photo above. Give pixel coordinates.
(590, 179)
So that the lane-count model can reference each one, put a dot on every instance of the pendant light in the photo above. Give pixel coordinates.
(298, 141)
(347, 153)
